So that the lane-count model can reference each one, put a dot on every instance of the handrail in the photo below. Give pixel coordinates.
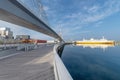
(61, 73)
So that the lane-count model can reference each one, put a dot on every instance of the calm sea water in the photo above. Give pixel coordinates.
(92, 63)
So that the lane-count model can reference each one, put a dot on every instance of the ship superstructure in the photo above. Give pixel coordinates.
(95, 41)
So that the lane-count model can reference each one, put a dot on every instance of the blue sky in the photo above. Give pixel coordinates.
(80, 19)
(84, 18)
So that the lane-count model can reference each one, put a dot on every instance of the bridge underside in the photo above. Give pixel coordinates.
(12, 11)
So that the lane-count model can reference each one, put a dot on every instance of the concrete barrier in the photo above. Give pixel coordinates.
(61, 73)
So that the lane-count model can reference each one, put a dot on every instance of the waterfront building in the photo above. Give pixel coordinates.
(20, 37)
(6, 33)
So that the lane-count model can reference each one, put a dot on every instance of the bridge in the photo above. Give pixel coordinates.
(29, 61)
(14, 12)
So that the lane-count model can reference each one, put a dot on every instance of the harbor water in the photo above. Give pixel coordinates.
(92, 62)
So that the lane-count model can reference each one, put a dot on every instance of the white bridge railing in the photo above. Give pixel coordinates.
(26, 47)
(7, 46)
(61, 73)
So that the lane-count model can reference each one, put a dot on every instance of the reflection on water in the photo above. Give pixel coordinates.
(103, 46)
(92, 63)
(60, 50)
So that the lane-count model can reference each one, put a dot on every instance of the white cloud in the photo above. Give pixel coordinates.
(97, 24)
(106, 10)
(95, 13)
(93, 9)
(46, 8)
(93, 18)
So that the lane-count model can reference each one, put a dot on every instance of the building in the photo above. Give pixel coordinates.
(20, 37)
(1, 38)
(6, 33)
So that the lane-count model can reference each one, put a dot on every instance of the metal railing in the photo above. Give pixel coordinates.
(18, 46)
(7, 46)
(61, 73)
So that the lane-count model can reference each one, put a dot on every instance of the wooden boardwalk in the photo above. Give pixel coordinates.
(32, 65)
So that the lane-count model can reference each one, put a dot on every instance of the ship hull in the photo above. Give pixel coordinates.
(94, 42)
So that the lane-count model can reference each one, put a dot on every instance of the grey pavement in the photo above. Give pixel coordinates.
(31, 65)
(8, 52)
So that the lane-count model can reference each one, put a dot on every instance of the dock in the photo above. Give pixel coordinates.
(31, 65)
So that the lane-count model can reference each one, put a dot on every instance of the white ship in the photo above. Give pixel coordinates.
(95, 41)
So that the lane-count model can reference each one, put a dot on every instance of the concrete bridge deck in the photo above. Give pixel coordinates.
(32, 65)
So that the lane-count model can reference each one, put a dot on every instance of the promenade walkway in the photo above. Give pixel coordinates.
(31, 65)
